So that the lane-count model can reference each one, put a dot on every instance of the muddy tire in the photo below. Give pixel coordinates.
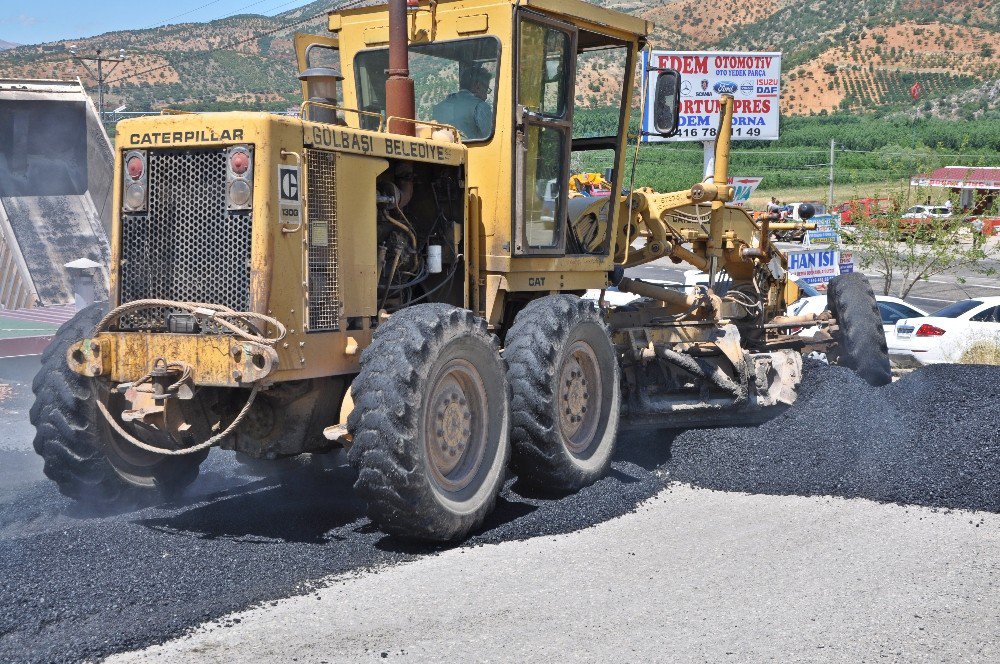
(82, 455)
(430, 423)
(861, 340)
(565, 391)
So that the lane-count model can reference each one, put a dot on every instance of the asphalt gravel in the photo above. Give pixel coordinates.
(76, 585)
(931, 438)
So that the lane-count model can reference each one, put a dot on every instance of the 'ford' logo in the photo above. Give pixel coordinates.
(725, 87)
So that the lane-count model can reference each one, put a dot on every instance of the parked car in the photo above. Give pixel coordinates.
(865, 208)
(819, 209)
(891, 309)
(949, 333)
(927, 212)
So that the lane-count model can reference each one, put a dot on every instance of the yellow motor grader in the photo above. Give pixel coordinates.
(400, 271)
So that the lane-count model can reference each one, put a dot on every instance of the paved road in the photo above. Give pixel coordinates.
(792, 546)
(693, 575)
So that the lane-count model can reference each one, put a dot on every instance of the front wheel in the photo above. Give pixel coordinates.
(861, 340)
(85, 458)
(566, 393)
(430, 423)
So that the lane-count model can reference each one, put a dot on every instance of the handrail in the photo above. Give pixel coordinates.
(440, 125)
(176, 111)
(310, 102)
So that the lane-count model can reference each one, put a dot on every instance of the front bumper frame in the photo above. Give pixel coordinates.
(215, 360)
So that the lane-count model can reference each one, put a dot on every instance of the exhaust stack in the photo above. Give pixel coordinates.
(399, 93)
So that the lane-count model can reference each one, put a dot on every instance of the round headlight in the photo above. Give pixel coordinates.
(134, 167)
(239, 162)
(239, 193)
(135, 196)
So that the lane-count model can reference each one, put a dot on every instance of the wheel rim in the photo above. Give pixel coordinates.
(579, 397)
(455, 429)
(132, 464)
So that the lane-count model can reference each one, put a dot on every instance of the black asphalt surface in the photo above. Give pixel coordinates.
(76, 585)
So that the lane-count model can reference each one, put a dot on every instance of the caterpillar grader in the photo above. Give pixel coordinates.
(400, 271)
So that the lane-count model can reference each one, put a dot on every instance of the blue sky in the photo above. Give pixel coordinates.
(33, 22)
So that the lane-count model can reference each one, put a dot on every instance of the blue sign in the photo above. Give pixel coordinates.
(831, 237)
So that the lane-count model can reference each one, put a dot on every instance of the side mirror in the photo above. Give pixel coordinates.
(667, 102)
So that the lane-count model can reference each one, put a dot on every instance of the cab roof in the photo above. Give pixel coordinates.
(577, 9)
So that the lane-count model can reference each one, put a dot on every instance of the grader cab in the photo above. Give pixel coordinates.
(399, 271)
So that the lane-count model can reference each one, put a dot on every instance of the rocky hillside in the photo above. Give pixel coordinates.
(861, 55)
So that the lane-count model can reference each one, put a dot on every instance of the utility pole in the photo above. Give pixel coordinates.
(829, 198)
(82, 59)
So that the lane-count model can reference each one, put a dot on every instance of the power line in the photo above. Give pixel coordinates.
(240, 42)
(165, 22)
(190, 11)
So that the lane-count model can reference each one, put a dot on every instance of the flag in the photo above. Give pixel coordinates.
(915, 91)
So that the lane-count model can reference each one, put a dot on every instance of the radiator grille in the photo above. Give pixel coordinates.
(324, 280)
(186, 246)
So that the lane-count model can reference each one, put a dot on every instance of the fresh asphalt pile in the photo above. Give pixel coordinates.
(931, 438)
(77, 585)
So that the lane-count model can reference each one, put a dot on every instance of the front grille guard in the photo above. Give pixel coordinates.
(186, 246)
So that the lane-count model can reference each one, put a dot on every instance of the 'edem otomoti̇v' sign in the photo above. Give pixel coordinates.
(754, 80)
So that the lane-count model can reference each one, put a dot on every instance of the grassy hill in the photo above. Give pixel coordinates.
(856, 56)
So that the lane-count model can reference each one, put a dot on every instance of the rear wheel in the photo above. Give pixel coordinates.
(861, 339)
(566, 393)
(430, 423)
(82, 454)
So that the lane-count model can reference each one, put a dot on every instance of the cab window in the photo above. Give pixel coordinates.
(545, 49)
(455, 84)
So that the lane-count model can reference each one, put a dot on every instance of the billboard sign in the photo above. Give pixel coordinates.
(754, 80)
(815, 267)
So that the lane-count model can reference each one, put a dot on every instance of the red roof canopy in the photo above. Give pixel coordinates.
(960, 177)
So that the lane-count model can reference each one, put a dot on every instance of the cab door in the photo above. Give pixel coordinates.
(543, 115)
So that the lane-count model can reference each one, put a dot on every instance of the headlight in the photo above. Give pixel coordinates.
(239, 194)
(135, 197)
(134, 180)
(239, 177)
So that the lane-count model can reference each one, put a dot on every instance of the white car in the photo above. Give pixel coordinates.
(891, 309)
(946, 335)
(818, 210)
(928, 211)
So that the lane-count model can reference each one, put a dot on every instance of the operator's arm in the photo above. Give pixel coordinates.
(483, 116)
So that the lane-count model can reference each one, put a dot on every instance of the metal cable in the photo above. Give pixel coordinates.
(186, 450)
(217, 314)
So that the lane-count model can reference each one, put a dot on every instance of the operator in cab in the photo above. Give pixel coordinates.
(467, 109)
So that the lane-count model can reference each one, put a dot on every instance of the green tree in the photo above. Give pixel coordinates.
(906, 251)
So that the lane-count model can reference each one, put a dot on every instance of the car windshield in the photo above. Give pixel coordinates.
(957, 309)
(914, 210)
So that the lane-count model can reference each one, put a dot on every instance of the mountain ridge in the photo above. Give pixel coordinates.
(860, 56)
